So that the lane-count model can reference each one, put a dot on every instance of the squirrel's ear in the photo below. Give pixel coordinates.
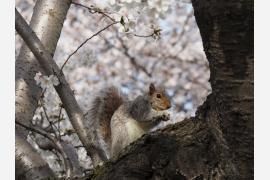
(152, 89)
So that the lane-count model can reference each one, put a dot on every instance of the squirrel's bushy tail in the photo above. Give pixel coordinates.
(103, 105)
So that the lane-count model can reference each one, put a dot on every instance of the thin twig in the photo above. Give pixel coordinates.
(58, 120)
(45, 112)
(58, 158)
(144, 36)
(48, 119)
(94, 10)
(86, 42)
(42, 94)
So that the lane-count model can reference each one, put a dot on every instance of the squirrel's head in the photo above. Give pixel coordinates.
(158, 98)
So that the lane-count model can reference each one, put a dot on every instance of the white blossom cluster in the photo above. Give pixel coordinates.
(156, 7)
(132, 13)
(46, 81)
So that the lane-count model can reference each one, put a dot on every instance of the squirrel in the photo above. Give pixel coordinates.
(118, 121)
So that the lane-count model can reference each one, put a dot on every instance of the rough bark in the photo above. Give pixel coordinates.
(47, 22)
(218, 142)
(228, 41)
(29, 164)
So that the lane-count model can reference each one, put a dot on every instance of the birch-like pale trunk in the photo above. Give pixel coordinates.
(47, 22)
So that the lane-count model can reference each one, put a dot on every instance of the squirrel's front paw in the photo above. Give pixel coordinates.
(165, 117)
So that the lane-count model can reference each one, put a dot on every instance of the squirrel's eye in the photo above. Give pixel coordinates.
(158, 96)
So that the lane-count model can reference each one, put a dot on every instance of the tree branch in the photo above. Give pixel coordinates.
(58, 145)
(94, 10)
(29, 164)
(64, 91)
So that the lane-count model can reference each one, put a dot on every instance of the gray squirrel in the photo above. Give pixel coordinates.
(117, 121)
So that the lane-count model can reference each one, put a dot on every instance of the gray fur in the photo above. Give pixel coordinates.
(131, 120)
(139, 108)
(125, 120)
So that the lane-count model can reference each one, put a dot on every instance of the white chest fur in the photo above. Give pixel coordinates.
(134, 129)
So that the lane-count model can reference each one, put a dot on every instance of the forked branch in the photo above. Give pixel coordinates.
(64, 91)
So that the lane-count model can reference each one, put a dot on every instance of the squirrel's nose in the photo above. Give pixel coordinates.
(169, 106)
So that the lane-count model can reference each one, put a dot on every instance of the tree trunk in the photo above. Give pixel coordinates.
(218, 142)
(47, 22)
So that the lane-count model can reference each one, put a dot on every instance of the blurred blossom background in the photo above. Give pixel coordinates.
(127, 55)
